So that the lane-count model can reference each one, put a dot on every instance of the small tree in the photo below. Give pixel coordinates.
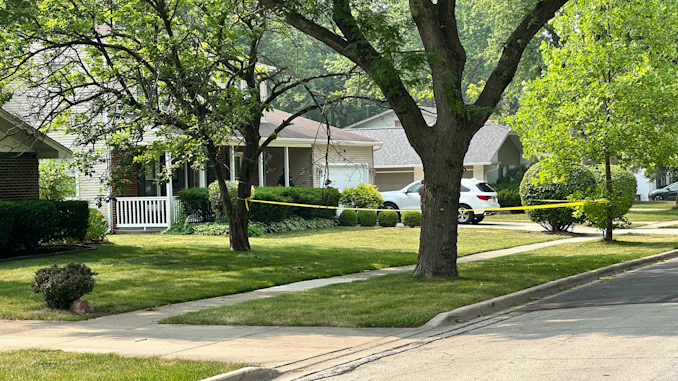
(56, 180)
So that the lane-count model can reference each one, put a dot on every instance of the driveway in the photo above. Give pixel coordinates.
(622, 328)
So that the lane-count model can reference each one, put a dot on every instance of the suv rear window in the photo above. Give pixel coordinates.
(484, 187)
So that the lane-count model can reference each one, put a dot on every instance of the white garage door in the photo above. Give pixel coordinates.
(347, 175)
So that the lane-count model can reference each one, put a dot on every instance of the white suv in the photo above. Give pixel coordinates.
(475, 194)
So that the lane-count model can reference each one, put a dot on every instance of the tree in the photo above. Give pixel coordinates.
(182, 74)
(610, 92)
(56, 180)
(371, 35)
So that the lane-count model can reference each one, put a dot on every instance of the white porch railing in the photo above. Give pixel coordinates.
(141, 212)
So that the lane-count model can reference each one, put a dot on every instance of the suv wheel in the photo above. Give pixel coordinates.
(477, 220)
(465, 217)
(658, 198)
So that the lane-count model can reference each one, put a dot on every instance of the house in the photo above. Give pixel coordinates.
(493, 150)
(303, 150)
(21, 146)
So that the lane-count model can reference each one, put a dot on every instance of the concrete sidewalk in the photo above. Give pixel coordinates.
(295, 350)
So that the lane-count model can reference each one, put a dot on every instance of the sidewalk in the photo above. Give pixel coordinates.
(287, 349)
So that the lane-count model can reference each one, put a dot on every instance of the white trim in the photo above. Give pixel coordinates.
(261, 169)
(168, 188)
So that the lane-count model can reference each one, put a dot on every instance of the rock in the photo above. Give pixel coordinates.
(80, 307)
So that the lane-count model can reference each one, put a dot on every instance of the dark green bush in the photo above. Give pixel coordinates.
(6, 225)
(268, 213)
(513, 176)
(388, 218)
(348, 218)
(62, 285)
(72, 220)
(296, 223)
(412, 218)
(509, 196)
(34, 221)
(534, 189)
(196, 203)
(367, 218)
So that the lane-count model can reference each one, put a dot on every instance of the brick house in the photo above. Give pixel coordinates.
(21, 146)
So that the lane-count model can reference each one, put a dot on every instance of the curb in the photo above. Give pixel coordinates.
(246, 374)
(466, 313)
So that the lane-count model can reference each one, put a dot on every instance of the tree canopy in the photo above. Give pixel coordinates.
(610, 91)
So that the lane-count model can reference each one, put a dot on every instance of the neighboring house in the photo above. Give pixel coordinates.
(493, 151)
(21, 146)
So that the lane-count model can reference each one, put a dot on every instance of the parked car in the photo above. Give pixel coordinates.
(666, 193)
(475, 194)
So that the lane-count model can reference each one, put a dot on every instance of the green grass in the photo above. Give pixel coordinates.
(144, 271)
(659, 211)
(36, 364)
(401, 300)
(513, 217)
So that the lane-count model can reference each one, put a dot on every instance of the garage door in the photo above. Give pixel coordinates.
(390, 181)
(347, 175)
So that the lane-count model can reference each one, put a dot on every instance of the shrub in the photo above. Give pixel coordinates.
(268, 213)
(388, 218)
(509, 196)
(6, 224)
(412, 218)
(196, 203)
(221, 229)
(215, 198)
(62, 285)
(72, 220)
(295, 223)
(34, 221)
(348, 218)
(367, 218)
(624, 186)
(96, 226)
(535, 187)
(514, 175)
(362, 196)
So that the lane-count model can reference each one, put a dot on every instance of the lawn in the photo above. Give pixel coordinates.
(144, 271)
(401, 300)
(37, 364)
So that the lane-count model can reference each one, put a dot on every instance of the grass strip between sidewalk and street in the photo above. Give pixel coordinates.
(39, 364)
(402, 300)
(145, 271)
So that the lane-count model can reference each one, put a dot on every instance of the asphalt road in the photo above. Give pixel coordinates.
(621, 328)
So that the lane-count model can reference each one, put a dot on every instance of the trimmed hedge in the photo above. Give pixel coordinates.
(25, 224)
(412, 218)
(72, 220)
(367, 218)
(348, 218)
(196, 203)
(388, 218)
(268, 213)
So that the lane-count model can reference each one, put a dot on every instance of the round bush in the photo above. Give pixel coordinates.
(388, 218)
(362, 196)
(348, 218)
(62, 285)
(96, 226)
(367, 218)
(412, 218)
(534, 189)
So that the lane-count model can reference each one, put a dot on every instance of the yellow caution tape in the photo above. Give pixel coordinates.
(548, 206)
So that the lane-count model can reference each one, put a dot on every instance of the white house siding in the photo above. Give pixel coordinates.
(301, 168)
(348, 155)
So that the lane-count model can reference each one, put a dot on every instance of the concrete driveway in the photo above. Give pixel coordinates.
(621, 328)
